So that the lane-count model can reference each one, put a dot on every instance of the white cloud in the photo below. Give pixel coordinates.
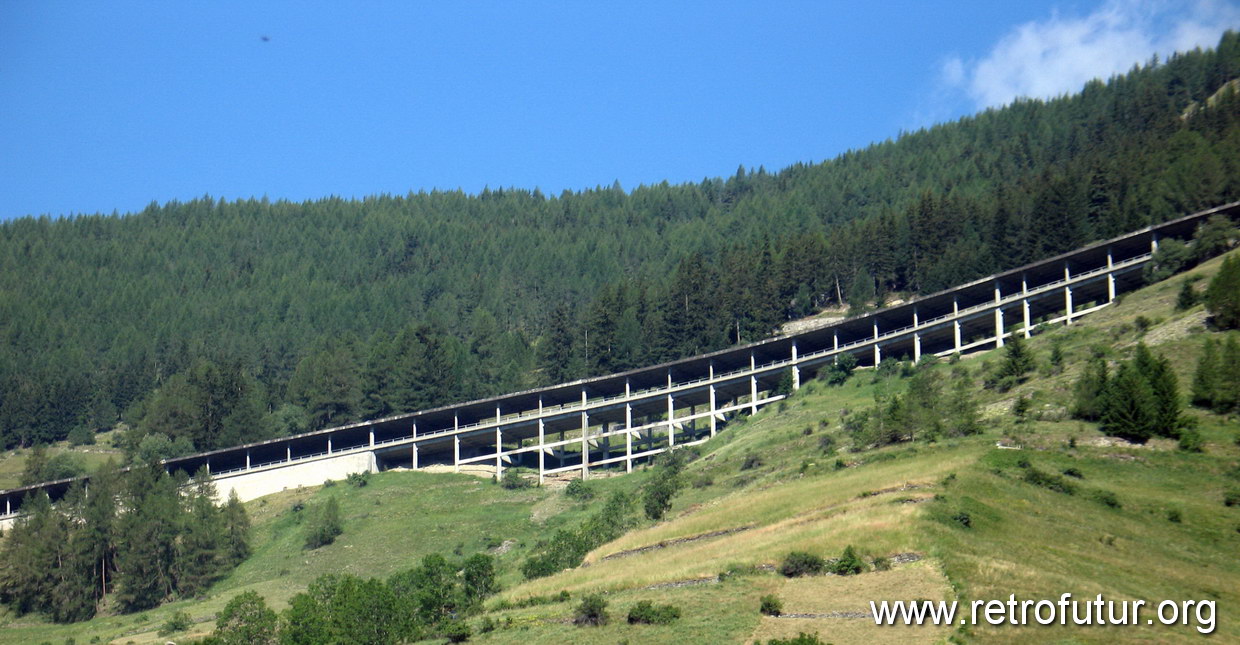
(1059, 55)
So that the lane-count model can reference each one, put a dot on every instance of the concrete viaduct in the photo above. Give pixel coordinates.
(615, 421)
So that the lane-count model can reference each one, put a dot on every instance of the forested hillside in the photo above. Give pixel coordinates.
(212, 322)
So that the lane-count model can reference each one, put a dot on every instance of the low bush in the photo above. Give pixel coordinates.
(1175, 517)
(1232, 497)
(848, 563)
(1107, 498)
(357, 479)
(648, 613)
(771, 605)
(962, 518)
(1072, 472)
(513, 480)
(579, 490)
(1049, 481)
(591, 611)
(177, 622)
(752, 460)
(800, 563)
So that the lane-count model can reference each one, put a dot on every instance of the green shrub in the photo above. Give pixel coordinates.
(771, 605)
(752, 460)
(962, 518)
(1049, 481)
(358, 480)
(1174, 516)
(882, 564)
(591, 611)
(800, 563)
(325, 526)
(1107, 498)
(646, 612)
(579, 490)
(81, 436)
(512, 480)
(1072, 472)
(1232, 497)
(848, 564)
(177, 622)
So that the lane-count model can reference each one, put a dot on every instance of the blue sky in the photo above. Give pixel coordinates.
(110, 106)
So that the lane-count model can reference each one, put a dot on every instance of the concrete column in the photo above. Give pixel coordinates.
(835, 340)
(499, 453)
(628, 429)
(1024, 303)
(585, 432)
(1067, 300)
(671, 418)
(542, 442)
(713, 421)
(247, 460)
(796, 371)
(956, 328)
(8, 506)
(878, 353)
(415, 430)
(1110, 277)
(916, 338)
(415, 456)
(606, 440)
(998, 316)
(1153, 242)
(289, 450)
(329, 444)
(753, 385)
(208, 466)
(456, 443)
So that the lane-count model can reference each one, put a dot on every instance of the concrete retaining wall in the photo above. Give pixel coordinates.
(257, 483)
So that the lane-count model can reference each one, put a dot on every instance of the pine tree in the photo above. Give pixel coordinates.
(1169, 409)
(1206, 380)
(236, 533)
(145, 559)
(1128, 407)
(1018, 362)
(1088, 392)
(199, 560)
(1223, 295)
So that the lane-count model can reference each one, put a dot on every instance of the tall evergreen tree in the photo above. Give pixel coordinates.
(1223, 294)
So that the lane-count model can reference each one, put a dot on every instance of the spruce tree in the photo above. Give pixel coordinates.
(1128, 409)
(1169, 408)
(236, 534)
(1223, 295)
(146, 558)
(1206, 381)
(1088, 392)
(199, 559)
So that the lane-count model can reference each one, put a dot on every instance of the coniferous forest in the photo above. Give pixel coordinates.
(211, 322)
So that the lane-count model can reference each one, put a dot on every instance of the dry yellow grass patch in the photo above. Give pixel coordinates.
(827, 594)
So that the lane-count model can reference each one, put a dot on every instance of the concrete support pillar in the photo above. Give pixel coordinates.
(247, 460)
(208, 466)
(878, 353)
(542, 442)
(456, 443)
(8, 506)
(1067, 301)
(671, 419)
(956, 323)
(1110, 277)
(796, 371)
(998, 316)
(916, 338)
(713, 421)
(628, 429)
(288, 452)
(585, 437)
(372, 438)
(1153, 242)
(499, 453)
(606, 440)
(1024, 305)
(753, 385)
(415, 456)
(835, 342)
(329, 444)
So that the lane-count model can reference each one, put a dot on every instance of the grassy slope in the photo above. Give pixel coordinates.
(1024, 540)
